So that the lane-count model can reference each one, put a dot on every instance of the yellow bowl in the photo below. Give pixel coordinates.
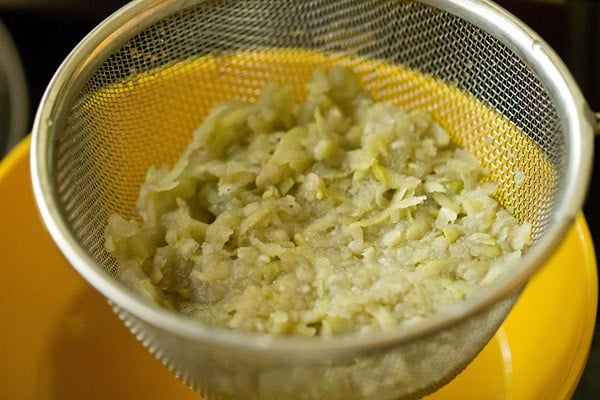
(60, 339)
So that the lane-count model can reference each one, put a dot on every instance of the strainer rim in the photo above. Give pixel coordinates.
(501, 24)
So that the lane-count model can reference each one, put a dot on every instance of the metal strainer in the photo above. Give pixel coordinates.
(132, 92)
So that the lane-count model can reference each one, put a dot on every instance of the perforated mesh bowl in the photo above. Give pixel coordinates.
(132, 92)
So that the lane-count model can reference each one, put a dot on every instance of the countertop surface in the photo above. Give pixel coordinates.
(45, 34)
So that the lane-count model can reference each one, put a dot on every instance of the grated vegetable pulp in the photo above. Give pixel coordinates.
(333, 215)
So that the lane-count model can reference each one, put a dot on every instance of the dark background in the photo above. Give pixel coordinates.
(45, 31)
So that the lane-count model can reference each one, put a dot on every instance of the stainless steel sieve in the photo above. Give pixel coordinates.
(131, 93)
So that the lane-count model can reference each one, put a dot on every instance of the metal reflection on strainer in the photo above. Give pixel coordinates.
(132, 92)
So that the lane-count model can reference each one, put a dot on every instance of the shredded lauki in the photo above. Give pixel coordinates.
(337, 214)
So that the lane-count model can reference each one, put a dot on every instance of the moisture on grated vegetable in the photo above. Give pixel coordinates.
(336, 214)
